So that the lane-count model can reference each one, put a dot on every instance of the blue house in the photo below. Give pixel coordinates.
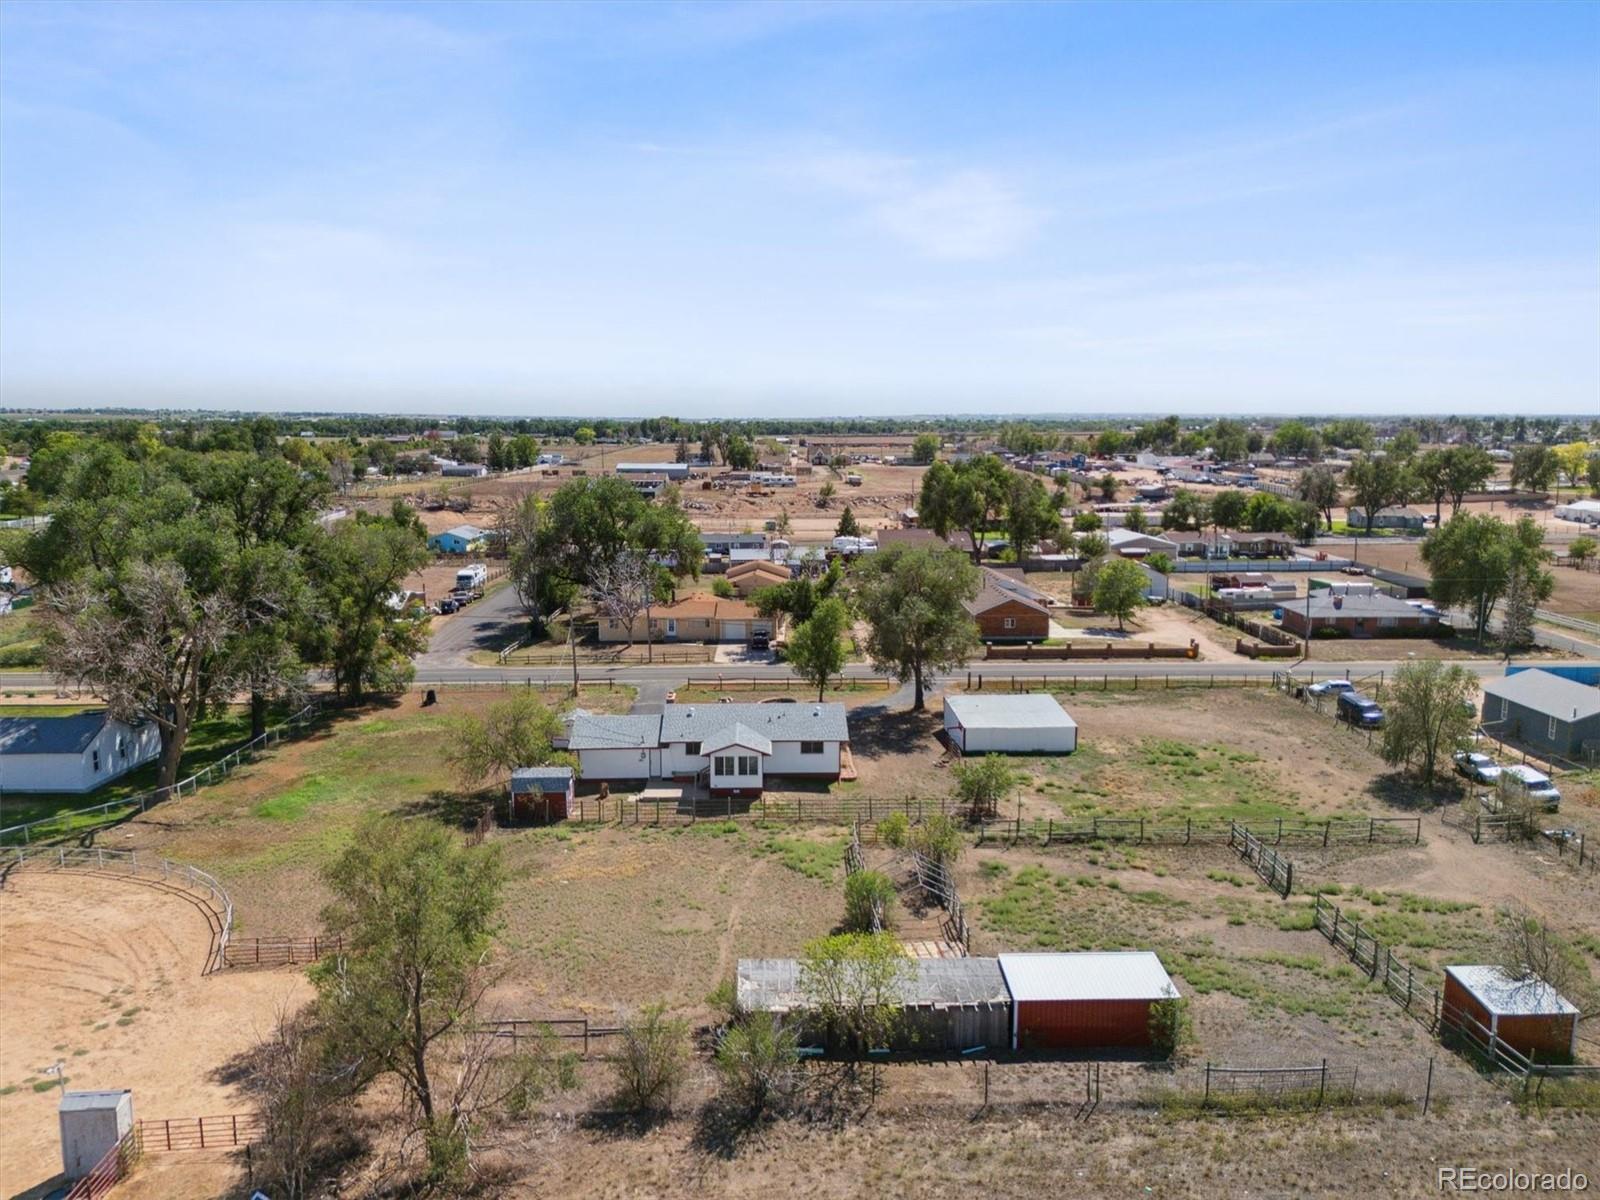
(463, 539)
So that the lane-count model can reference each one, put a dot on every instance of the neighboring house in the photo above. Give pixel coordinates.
(672, 470)
(728, 543)
(539, 794)
(464, 470)
(1543, 711)
(1005, 616)
(1009, 724)
(463, 539)
(1393, 517)
(1230, 544)
(1129, 544)
(1358, 616)
(1585, 511)
(1529, 1015)
(76, 753)
(693, 619)
(731, 748)
(750, 577)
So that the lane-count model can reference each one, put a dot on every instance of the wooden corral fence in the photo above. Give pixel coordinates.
(578, 1029)
(111, 1170)
(854, 861)
(1143, 831)
(1571, 845)
(792, 810)
(193, 884)
(201, 1133)
(940, 886)
(1275, 869)
(79, 819)
(1404, 985)
(280, 951)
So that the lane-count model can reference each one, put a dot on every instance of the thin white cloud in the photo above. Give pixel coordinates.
(952, 215)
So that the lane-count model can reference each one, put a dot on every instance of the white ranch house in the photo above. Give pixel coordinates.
(75, 753)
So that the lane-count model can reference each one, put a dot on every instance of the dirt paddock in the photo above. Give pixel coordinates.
(103, 974)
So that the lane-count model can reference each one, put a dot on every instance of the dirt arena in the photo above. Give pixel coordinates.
(103, 974)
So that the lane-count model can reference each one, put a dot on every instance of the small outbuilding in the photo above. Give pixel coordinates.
(540, 794)
(1528, 1014)
(950, 1003)
(1009, 724)
(1084, 1000)
(92, 1124)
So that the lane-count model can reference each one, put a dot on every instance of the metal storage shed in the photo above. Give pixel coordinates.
(1085, 1000)
(1528, 1014)
(540, 793)
(1009, 725)
(950, 1003)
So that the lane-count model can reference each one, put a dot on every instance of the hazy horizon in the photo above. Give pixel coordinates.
(875, 210)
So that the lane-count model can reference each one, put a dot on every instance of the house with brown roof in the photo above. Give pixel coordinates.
(1004, 615)
(923, 539)
(693, 619)
(750, 577)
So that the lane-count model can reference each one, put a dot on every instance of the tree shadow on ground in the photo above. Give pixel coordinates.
(455, 810)
(877, 731)
(1398, 790)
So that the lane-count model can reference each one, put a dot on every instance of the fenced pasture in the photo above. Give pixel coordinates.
(1276, 870)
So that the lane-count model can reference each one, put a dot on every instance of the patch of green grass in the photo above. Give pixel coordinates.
(44, 1085)
(813, 859)
(1225, 877)
(294, 803)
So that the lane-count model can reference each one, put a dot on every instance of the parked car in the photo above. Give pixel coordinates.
(1535, 783)
(1360, 711)
(1330, 687)
(760, 642)
(1479, 768)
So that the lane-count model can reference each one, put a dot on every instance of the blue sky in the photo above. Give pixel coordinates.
(802, 209)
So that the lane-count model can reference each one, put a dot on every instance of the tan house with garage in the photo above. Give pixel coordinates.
(750, 577)
(693, 619)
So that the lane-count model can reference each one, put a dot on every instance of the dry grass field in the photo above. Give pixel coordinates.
(600, 920)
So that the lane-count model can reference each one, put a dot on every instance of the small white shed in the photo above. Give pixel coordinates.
(1008, 724)
(91, 1124)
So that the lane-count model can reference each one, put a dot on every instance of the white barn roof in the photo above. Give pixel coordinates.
(1553, 695)
(1113, 975)
(1009, 712)
(1507, 997)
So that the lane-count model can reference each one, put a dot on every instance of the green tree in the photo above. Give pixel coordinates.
(1185, 510)
(722, 588)
(1468, 469)
(1087, 521)
(1030, 513)
(1296, 439)
(1376, 483)
(653, 1060)
(848, 526)
(415, 912)
(816, 650)
(914, 602)
(1227, 508)
(1428, 716)
(1432, 472)
(981, 784)
(758, 1059)
(1533, 468)
(855, 986)
(826, 493)
(937, 838)
(1228, 440)
(1171, 1026)
(869, 898)
(1109, 486)
(1582, 548)
(1472, 558)
(357, 568)
(1135, 521)
(1119, 589)
(925, 448)
(583, 435)
(1160, 562)
(520, 731)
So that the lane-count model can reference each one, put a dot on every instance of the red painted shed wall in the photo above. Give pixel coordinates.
(1075, 1024)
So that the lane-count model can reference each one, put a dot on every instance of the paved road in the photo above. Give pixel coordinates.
(486, 625)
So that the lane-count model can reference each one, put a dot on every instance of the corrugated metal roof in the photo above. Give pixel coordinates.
(1508, 997)
(50, 735)
(525, 779)
(1009, 712)
(591, 731)
(738, 734)
(1113, 975)
(773, 984)
(807, 721)
(1563, 699)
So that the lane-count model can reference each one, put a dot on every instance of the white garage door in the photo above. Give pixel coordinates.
(733, 631)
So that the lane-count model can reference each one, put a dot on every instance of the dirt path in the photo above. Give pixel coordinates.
(730, 922)
(104, 976)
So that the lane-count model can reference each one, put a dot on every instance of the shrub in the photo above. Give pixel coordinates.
(653, 1060)
(756, 1060)
(867, 892)
(938, 837)
(721, 587)
(894, 829)
(1171, 1027)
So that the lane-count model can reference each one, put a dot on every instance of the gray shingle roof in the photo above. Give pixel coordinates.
(1323, 607)
(738, 734)
(807, 721)
(591, 731)
(1553, 695)
(50, 735)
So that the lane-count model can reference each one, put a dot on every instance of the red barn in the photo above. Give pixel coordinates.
(540, 794)
(1527, 1014)
(1083, 1001)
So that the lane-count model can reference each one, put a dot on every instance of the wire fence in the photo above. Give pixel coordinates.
(77, 820)
(1190, 832)
(211, 896)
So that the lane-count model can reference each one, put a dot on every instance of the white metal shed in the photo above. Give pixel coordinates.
(1009, 725)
